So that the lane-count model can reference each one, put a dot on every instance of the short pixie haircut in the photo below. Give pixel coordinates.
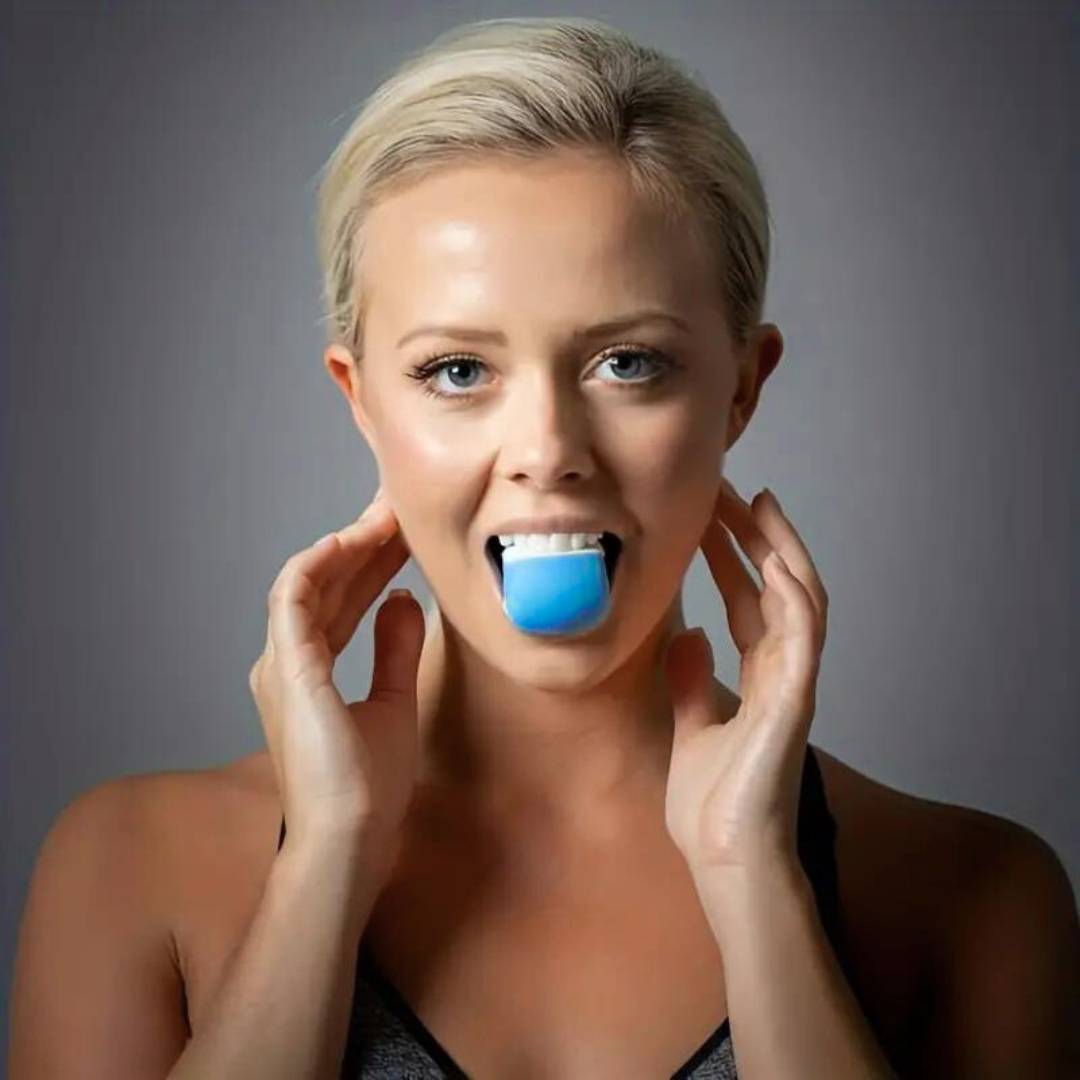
(518, 88)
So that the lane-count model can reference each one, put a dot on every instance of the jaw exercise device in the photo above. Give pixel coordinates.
(554, 590)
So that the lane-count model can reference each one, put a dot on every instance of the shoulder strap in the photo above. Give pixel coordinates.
(816, 837)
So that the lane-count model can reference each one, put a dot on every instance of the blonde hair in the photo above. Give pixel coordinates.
(519, 88)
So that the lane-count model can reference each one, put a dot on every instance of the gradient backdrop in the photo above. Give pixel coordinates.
(170, 435)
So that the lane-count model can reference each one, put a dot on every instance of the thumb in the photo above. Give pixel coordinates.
(399, 639)
(688, 667)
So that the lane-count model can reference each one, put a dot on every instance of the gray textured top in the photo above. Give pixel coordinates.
(388, 1041)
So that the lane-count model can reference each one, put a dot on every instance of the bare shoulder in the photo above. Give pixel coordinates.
(227, 810)
(110, 904)
(193, 817)
(900, 863)
(181, 831)
(195, 846)
(939, 900)
(209, 840)
(939, 845)
(217, 830)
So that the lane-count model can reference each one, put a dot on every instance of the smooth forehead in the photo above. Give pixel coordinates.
(564, 233)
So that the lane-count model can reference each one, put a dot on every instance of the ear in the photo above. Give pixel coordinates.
(755, 362)
(344, 369)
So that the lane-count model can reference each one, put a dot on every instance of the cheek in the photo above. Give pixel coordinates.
(411, 451)
(430, 477)
(674, 456)
(672, 479)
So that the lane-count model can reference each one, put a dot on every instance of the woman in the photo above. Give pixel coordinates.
(551, 855)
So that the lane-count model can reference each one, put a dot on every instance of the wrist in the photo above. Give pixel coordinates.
(327, 885)
(752, 874)
(364, 855)
(734, 893)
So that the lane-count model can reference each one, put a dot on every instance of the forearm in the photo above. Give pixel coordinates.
(282, 1011)
(792, 1011)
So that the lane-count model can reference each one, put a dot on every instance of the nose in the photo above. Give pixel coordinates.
(548, 435)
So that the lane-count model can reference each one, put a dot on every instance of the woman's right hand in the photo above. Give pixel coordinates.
(341, 768)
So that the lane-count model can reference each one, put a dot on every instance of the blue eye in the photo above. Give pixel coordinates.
(426, 372)
(636, 354)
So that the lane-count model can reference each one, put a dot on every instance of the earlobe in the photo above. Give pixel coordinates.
(756, 364)
(736, 425)
(360, 420)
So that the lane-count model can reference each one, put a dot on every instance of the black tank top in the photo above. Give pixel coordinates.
(387, 1040)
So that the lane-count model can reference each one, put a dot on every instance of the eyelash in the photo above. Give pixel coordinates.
(426, 371)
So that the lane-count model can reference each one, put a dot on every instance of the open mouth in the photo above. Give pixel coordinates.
(611, 544)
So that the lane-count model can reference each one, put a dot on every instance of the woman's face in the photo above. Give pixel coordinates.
(537, 416)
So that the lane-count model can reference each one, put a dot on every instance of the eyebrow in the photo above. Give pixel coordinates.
(610, 326)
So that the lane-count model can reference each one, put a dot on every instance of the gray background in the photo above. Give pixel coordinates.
(170, 435)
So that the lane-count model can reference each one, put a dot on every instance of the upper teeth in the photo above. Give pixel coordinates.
(549, 541)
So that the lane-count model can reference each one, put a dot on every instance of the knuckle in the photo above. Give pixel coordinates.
(255, 676)
(277, 587)
(277, 595)
(286, 576)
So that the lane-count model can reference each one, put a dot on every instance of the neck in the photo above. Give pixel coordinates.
(576, 761)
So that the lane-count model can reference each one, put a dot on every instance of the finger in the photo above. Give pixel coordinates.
(293, 608)
(399, 640)
(689, 667)
(785, 539)
(739, 590)
(784, 610)
(359, 537)
(361, 591)
(792, 620)
(737, 515)
(356, 544)
(296, 597)
(762, 528)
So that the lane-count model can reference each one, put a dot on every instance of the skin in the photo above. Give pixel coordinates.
(544, 763)
(561, 741)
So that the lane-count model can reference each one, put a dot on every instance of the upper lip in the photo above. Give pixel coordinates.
(555, 523)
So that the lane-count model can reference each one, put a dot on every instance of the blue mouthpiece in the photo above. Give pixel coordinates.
(555, 592)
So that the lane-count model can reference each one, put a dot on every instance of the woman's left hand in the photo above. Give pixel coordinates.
(733, 787)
